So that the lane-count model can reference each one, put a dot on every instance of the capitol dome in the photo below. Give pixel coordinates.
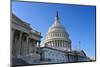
(57, 36)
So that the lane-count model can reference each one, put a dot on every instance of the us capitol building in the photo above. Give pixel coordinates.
(25, 44)
(57, 46)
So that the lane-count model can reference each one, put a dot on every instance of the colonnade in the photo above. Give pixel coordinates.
(22, 44)
(58, 43)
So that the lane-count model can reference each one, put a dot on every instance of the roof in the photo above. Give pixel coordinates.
(56, 27)
(15, 18)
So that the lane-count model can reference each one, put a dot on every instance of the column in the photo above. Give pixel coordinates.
(27, 45)
(49, 44)
(31, 46)
(12, 41)
(62, 43)
(19, 44)
(15, 46)
(65, 44)
(23, 45)
(35, 46)
(21, 49)
(59, 42)
(56, 43)
(39, 46)
(14, 50)
(53, 43)
(12, 36)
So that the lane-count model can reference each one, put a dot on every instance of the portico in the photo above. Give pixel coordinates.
(24, 40)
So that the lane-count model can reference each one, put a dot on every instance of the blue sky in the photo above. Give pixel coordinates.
(79, 21)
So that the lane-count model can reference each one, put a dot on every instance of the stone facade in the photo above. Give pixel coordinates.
(25, 42)
(52, 55)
